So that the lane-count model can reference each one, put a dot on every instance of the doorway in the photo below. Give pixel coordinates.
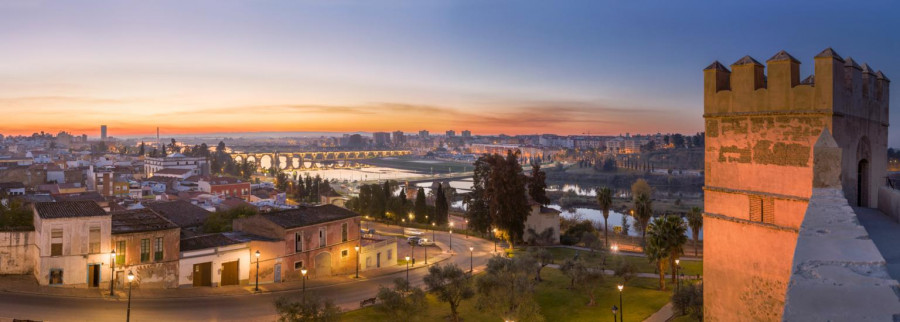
(202, 274)
(229, 273)
(277, 272)
(862, 183)
(93, 278)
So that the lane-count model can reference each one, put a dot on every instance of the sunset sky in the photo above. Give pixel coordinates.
(514, 67)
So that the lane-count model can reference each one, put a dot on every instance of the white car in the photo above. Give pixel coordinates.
(426, 242)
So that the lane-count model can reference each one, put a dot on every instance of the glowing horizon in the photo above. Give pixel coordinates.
(294, 66)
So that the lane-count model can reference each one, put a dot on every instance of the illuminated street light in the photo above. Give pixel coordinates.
(257, 271)
(621, 307)
(112, 272)
(471, 260)
(407, 273)
(130, 279)
(303, 272)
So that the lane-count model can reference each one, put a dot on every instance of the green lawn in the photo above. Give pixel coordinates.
(560, 255)
(640, 298)
(558, 303)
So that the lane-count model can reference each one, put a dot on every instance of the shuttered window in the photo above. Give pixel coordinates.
(94, 240)
(762, 209)
(120, 252)
(56, 242)
(158, 249)
(145, 250)
(298, 242)
(344, 232)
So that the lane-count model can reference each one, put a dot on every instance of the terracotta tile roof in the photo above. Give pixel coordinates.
(69, 209)
(92, 196)
(139, 220)
(746, 60)
(223, 180)
(783, 55)
(218, 240)
(305, 216)
(12, 185)
(182, 213)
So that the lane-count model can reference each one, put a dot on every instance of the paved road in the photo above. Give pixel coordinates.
(258, 307)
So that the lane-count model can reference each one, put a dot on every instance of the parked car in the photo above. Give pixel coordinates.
(426, 242)
(412, 231)
(414, 240)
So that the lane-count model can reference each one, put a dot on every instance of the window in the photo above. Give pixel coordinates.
(762, 209)
(94, 240)
(321, 237)
(390, 251)
(298, 265)
(344, 232)
(120, 252)
(158, 249)
(56, 242)
(298, 242)
(56, 276)
(345, 253)
(145, 250)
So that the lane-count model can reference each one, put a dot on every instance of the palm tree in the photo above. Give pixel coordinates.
(656, 249)
(604, 198)
(695, 221)
(674, 230)
(643, 211)
(666, 237)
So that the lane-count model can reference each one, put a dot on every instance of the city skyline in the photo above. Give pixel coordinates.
(491, 68)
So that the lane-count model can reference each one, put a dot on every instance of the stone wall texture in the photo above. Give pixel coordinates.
(760, 133)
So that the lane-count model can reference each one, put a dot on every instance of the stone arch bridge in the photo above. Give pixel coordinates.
(312, 159)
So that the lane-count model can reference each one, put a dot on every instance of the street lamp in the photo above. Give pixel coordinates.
(494, 238)
(257, 271)
(614, 248)
(303, 272)
(615, 311)
(130, 278)
(471, 260)
(426, 251)
(451, 241)
(407, 273)
(357, 260)
(467, 229)
(621, 307)
(432, 231)
(675, 269)
(112, 272)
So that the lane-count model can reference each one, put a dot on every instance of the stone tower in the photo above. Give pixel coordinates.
(760, 130)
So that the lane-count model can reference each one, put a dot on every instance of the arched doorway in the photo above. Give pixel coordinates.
(323, 264)
(862, 183)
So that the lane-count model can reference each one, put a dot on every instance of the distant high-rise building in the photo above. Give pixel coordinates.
(423, 134)
(399, 139)
(103, 132)
(466, 134)
(451, 133)
(381, 138)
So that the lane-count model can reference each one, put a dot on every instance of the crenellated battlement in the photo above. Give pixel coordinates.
(837, 86)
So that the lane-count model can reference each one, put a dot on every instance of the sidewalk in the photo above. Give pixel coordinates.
(664, 314)
(26, 284)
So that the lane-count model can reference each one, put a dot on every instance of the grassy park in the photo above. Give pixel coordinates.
(560, 254)
(557, 302)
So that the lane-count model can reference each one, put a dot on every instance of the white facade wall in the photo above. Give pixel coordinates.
(541, 221)
(217, 256)
(75, 256)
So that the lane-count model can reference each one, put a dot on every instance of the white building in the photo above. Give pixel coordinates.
(197, 165)
(72, 239)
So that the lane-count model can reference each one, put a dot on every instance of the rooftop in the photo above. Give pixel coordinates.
(311, 215)
(139, 220)
(81, 196)
(69, 209)
(172, 171)
(180, 212)
(218, 240)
